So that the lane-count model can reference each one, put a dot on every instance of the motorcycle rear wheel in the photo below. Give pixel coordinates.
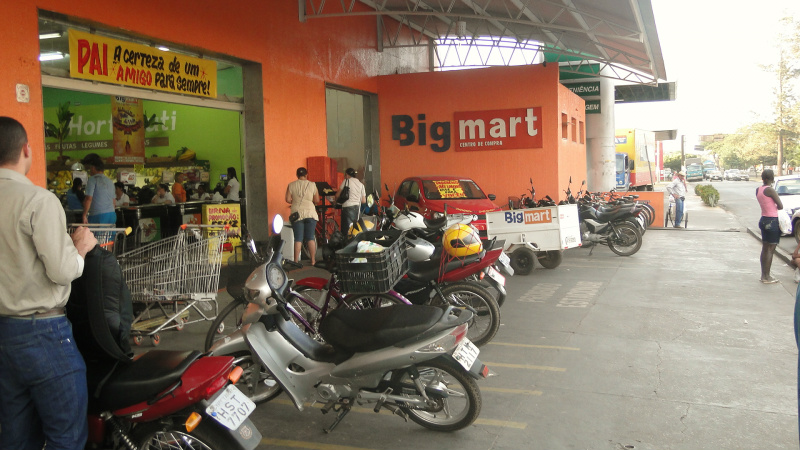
(156, 435)
(456, 409)
(629, 240)
(486, 320)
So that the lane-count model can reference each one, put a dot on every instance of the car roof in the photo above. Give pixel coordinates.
(787, 177)
(438, 178)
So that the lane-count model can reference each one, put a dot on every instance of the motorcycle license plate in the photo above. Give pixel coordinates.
(466, 353)
(495, 275)
(505, 259)
(231, 408)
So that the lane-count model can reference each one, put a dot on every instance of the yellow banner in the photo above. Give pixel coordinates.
(108, 60)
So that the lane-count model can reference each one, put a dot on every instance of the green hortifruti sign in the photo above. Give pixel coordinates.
(585, 89)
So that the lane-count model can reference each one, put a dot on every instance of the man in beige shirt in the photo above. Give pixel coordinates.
(42, 374)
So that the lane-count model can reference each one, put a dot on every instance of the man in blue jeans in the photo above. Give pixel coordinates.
(43, 396)
(677, 189)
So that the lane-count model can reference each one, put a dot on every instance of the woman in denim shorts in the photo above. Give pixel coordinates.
(303, 195)
(770, 228)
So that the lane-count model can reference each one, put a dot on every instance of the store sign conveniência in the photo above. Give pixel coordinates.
(475, 130)
(108, 60)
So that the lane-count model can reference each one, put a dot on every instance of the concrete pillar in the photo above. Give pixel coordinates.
(600, 147)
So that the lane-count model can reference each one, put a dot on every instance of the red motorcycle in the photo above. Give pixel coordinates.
(160, 399)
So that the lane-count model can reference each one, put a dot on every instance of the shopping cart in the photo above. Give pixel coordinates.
(173, 276)
(108, 237)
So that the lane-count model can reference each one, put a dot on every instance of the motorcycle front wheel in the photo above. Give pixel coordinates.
(454, 393)
(627, 241)
(486, 319)
(156, 436)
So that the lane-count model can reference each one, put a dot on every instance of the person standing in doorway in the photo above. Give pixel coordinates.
(358, 195)
(770, 203)
(677, 189)
(232, 189)
(98, 205)
(42, 373)
(303, 195)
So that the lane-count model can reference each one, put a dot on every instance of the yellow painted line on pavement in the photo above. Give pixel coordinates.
(501, 423)
(479, 421)
(510, 391)
(552, 347)
(525, 366)
(308, 445)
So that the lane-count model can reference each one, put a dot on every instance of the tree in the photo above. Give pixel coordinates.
(60, 131)
(787, 72)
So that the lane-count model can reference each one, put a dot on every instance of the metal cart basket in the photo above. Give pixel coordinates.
(173, 276)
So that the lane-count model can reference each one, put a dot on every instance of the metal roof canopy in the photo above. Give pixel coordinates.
(617, 37)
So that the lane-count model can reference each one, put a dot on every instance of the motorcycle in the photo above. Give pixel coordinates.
(610, 227)
(413, 361)
(161, 399)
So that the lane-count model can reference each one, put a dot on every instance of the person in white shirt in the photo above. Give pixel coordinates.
(677, 189)
(201, 193)
(121, 198)
(233, 187)
(163, 196)
(358, 195)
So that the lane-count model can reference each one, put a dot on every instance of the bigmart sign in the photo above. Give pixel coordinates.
(475, 130)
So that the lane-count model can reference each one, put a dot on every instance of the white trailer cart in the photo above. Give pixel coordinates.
(535, 234)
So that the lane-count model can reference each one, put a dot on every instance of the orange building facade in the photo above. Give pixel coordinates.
(298, 61)
(504, 163)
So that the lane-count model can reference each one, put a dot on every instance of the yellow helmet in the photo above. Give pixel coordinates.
(355, 228)
(461, 240)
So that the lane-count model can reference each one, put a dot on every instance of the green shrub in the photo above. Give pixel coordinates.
(708, 193)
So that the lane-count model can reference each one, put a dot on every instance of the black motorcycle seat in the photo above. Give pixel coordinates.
(612, 215)
(430, 270)
(145, 378)
(365, 330)
(436, 223)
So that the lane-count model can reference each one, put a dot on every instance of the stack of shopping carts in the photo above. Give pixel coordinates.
(173, 276)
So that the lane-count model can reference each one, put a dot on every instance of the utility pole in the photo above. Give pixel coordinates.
(683, 152)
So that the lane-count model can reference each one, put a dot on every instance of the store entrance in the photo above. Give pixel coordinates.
(353, 133)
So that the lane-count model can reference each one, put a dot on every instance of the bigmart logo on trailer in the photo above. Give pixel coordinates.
(476, 130)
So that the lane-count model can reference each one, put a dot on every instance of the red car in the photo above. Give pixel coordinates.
(428, 195)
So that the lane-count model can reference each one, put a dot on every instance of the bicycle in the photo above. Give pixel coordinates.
(669, 219)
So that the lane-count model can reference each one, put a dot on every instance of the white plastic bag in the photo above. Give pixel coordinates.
(797, 274)
(785, 222)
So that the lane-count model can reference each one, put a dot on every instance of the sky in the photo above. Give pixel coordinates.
(713, 50)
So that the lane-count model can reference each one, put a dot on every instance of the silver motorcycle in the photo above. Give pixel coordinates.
(414, 361)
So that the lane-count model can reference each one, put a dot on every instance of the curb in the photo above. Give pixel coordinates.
(786, 257)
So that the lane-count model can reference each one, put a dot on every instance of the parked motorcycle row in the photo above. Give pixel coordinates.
(619, 221)
(407, 343)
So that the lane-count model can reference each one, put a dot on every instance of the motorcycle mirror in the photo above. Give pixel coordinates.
(492, 197)
(531, 180)
(583, 183)
(570, 178)
(277, 224)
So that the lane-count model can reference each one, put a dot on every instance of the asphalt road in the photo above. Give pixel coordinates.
(739, 198)
(676, 347)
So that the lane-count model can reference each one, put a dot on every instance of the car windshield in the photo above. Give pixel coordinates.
(452, 189)
(788, 187)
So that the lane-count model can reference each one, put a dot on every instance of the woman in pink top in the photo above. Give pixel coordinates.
(770, 228)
